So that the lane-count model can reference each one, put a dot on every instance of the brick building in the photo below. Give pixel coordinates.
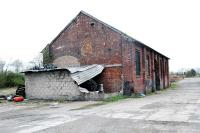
(129, 64)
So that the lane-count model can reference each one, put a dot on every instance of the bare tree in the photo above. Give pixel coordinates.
(17, 64)
(37, 61)
(2, 64)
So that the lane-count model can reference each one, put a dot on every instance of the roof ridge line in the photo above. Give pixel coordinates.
(107, 25)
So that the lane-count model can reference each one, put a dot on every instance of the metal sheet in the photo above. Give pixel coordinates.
(80, 68)
(86, 73)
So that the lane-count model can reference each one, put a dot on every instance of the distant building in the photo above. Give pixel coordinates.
(129, 65)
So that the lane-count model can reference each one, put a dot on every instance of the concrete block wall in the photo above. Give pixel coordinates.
(57, 85)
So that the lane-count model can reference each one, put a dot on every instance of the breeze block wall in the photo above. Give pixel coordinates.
(54, 85)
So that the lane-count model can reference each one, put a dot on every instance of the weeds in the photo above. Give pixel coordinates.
(107, 101)
(115, 98)
(173, 85)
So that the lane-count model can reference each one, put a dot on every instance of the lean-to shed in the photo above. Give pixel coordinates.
(60, 83)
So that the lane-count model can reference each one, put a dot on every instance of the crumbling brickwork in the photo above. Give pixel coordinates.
(91, 41)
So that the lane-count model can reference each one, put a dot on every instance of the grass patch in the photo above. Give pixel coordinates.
(115, 98)
(152, 93)
(173, 85)
(107, 101)
(121, 97)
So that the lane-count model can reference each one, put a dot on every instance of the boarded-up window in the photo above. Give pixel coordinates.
(137, 62)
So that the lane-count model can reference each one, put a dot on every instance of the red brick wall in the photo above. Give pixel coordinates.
(99, 44)
(129, 67)
(95, 44)
(111, 79)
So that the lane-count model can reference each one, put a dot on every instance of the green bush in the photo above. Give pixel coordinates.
(2, 79)
(10, 79)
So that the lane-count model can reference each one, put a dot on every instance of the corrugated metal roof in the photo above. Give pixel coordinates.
(83, 74)
(80, 68)
(79, 74)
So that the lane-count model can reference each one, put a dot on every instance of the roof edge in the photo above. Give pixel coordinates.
(120, 32)
(65, 28)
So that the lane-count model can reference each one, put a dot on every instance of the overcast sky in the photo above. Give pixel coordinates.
(171, 27)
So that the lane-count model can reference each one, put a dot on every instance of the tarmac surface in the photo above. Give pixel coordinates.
(171, 110)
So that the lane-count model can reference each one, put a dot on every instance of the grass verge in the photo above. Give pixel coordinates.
(115, 98)
(107, 101)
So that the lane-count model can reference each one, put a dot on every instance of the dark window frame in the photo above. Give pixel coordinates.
(148, 65)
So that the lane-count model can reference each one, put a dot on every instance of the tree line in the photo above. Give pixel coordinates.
(10, 73)
(187, 73)
(190, 73)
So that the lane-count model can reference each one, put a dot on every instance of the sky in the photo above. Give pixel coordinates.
(171, 27)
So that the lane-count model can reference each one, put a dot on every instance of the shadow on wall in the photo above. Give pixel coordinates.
(128, 88)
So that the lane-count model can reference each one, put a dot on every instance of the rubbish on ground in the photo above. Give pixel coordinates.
(10, 97)
(20, 91)
(101, 88)
(18, 99)
(2, 97)
(128, 88)
(47, 66)
(142, 95)
(83, 90)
